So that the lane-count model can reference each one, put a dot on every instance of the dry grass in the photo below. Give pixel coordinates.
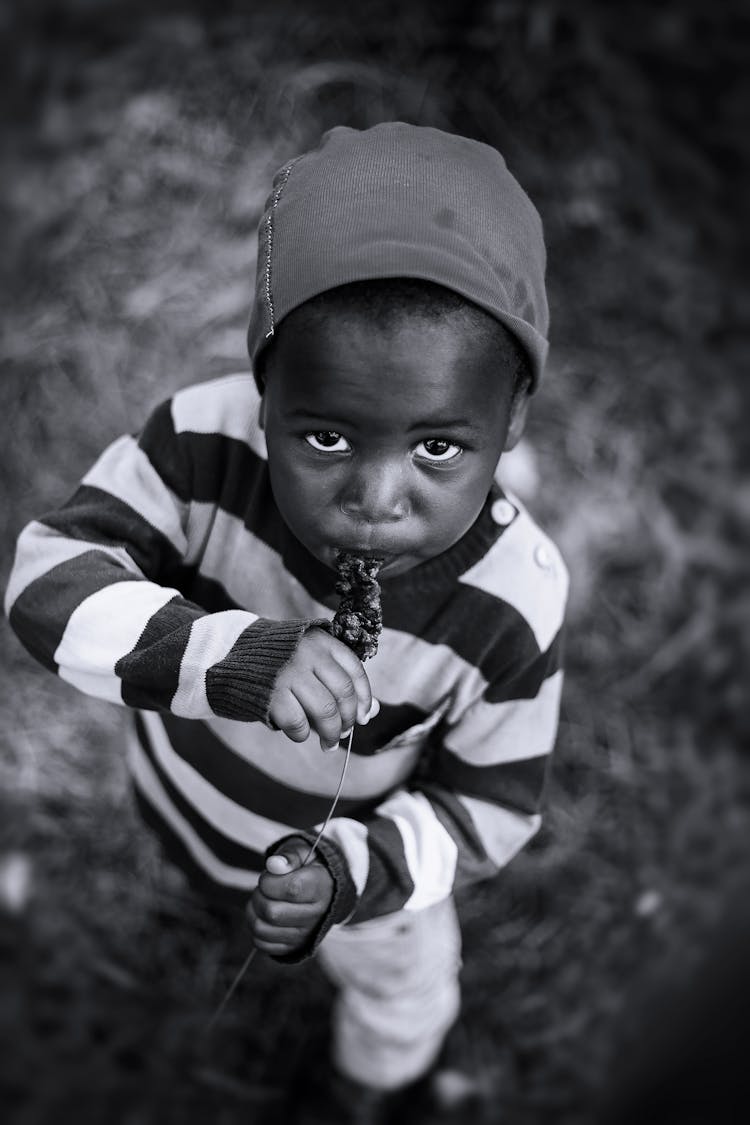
(137, 157)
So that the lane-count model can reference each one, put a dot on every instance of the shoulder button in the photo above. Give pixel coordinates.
(542, 557)
(503, 512)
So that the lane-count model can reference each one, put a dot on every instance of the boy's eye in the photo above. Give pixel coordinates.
(438, 449)
(327, 441)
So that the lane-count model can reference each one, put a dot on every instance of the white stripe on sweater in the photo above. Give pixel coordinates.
(211, 639)
(227, 406)
(430, 851)
(526, 570)
(229, 818)
(253, 574)
(516, 730)
(41, 548)
(102, 629)
(408, 669)
(351, 836)
(151, 788)
(502, 831)
(124, 471)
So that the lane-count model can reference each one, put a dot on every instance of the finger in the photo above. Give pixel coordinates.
(288, 715)
(283, 915)
(303, 886)
(278, 865)
(290, 936)
(321, 709)
(290, 856)
(353, 666)
(275, 948)
(374, 710)
(341, 686)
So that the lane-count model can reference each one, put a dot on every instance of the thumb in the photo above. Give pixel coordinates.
(282, 862)
(278, 865)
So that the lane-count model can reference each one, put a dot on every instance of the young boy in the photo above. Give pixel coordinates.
(398, 330)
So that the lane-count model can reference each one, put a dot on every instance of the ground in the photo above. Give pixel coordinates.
(138, 149)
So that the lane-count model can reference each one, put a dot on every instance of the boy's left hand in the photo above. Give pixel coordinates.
(289, 901)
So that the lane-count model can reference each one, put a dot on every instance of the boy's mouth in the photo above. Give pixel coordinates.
(369, 553)
(386, 558)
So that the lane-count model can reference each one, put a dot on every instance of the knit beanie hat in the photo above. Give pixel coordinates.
(400, 200)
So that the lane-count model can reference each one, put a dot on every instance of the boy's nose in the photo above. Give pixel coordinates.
(376, 495)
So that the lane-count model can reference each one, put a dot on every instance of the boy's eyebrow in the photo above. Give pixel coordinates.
(310, 415)
(425, 424)
(444, 423)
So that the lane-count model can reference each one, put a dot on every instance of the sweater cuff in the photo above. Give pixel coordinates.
(239, 686)
(344, 897)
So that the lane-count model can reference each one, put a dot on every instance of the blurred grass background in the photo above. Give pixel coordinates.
(138, 146)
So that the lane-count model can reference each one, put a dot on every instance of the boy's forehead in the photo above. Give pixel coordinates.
(433, 368)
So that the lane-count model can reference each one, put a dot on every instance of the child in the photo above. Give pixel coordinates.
(398, 330)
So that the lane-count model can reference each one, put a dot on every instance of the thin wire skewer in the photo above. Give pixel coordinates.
(308, 859)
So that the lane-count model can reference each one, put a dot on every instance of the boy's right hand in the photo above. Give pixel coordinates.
(323, 688)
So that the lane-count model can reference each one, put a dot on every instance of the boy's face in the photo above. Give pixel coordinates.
(384, 439)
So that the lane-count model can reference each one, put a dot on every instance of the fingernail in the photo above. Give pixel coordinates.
(326, 747)
(374, 709)
(277, 865)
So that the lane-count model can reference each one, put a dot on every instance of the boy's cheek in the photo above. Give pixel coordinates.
(299, 489)
(310, 510)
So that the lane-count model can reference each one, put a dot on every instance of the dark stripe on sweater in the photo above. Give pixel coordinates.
(94, 515)
(209, 468)
(206, 592)
(220, 470)
(229, 851)
(392, 720)
(167, 452)
(482, 629)
(41, 612)
(518, 785)
(472, 862)
(248, 786)
(529, 678)
(151, 670)
(177, 852)
(389, 882)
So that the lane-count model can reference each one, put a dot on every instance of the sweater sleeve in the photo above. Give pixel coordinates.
(92, 593)
(474, 803)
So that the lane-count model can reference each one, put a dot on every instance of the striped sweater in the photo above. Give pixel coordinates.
(170, 583)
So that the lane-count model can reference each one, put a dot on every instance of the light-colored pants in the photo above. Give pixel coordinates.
(398, 992)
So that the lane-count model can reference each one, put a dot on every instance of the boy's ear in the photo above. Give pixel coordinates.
(519, 410)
